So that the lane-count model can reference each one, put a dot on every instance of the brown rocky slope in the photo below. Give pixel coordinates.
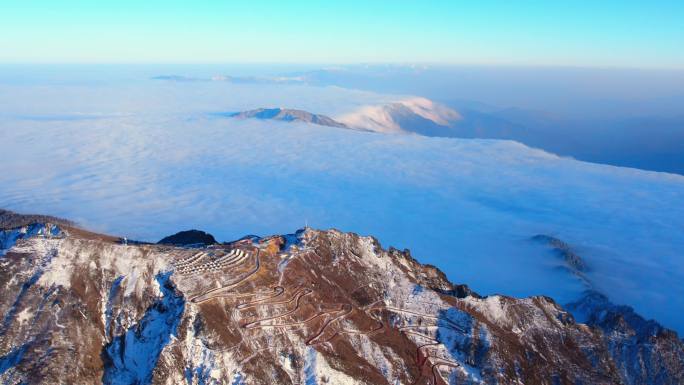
(316, 307)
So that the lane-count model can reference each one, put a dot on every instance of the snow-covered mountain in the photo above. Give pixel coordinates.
(314, 307)
(412, 115)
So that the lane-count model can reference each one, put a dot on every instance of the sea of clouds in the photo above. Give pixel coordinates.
(148, 158)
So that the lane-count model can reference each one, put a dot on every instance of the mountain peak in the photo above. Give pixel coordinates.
(288, 115)
(412, 115)
(188, 237)
(317, 306)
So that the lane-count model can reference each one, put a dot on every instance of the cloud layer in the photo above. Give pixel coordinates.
(161, 164)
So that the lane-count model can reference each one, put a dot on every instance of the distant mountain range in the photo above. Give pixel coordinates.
(619, 143)
(234, 79)
(645, 142)
(409, 116)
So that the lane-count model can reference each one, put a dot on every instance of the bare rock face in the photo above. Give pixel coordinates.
(316, 307)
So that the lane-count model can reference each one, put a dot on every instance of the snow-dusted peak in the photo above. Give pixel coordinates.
(411, 115)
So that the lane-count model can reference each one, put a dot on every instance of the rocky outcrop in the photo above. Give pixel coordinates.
(189, 237)
(315, 307)
(574, 262)
(643, 350)
(288, 115)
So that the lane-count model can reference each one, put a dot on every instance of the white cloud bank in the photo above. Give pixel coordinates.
(154, 163)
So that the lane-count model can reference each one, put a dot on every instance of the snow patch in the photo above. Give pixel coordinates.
(24, 316)
(8, 238)
(132, 357)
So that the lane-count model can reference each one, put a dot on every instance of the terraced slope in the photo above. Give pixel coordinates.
(316, 307)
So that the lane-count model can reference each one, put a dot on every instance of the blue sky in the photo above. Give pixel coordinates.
(575, 33)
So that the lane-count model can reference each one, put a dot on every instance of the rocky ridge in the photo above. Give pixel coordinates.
(288, 115)
(314, 307)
